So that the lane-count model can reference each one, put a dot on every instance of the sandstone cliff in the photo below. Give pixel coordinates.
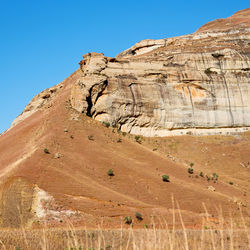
(197, 81)
(193, 81)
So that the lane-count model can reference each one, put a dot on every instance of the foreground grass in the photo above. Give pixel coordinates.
(230, 234)
(124, 239)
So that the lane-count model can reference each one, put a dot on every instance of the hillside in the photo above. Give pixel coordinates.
(155, 88)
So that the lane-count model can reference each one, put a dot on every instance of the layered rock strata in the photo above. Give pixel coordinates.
(189, 82)
(197, 82)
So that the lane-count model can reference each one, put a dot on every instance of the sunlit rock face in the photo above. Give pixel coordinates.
(193, 81)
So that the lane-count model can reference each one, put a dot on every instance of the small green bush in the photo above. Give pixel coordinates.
(46, 151)
(138, 216)
(215, 177)
(138, 139)
(231, 183)
(119, 140)
(106, 124)
(91, 137)
(190, 170)
(128, 220)
(208, 71)
(110, 172)
(165, 178)
(217, 55)
(191, 164)
(201, 174)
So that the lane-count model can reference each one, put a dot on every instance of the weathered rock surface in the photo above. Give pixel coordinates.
(197, 81)
(193, 81)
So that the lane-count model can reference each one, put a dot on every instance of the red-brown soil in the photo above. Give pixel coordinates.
(78, 180)
(240, 20)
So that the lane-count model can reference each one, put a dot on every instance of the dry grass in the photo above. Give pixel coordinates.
(165, 235)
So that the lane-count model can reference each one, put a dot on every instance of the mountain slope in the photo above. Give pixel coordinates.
(71, 182)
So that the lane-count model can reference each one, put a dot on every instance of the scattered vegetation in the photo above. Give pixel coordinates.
(72, 137)
(190, 170)
(138, 139)
(231, 183)
(128, 220)
(91, 137)
(208, 71)
(119, 140)
(124, 133)
(217, 55)
(46, 151)
(165, 178)
(154, 149)
(138, 216)
(215, 177)
(110, 172)
(191, 164)
(106, 124)
(201, 174)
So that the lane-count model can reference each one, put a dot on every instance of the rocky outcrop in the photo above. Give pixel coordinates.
(193, 81)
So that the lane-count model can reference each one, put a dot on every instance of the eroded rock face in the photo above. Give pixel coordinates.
(193, 81)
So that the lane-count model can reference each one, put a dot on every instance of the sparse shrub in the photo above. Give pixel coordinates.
(138, 216)
(110, 172)
(154, 149)
(106, 124)
(128, 220)
(191, 164)
(46, 151)
(208, 178)
(231, 183)
(138, 139)
(217, 55)
(124, 133)
(208, 71)
(91, 137)
(119, 140)
(190, 170)
(72, 137)
(201, 174)
(145, 226)
(165, 178)
(215, 177)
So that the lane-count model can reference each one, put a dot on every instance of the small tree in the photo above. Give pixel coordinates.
(91, 137)
(201, 174)
(165, 178)
(190, 170)
(106, 124)
(128, 220)
(110, 172)
(46, 151)
(138, 139)
(138, 216)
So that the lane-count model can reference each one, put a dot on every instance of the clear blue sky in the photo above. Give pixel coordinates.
(42, 41)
